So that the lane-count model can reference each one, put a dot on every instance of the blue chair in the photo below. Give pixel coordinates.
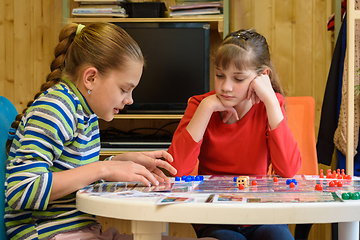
(7, 116)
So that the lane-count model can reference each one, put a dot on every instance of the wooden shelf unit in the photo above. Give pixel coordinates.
(219, 27)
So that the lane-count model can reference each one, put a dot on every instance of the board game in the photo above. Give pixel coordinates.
(224, 189)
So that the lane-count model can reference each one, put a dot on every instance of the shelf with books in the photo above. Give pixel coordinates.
(219, 22)
(216, 21)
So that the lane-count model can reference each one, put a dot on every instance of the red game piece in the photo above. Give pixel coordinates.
(333, 174)
(342, 172)
(318, 187)
(241, 187)
(348, 177)
(254, 183)
(339, 184)
(292, 185)
(332, 184)
(321, 173)
(276, 179)
(328, 174)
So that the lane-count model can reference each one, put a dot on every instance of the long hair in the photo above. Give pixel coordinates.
(104, 46)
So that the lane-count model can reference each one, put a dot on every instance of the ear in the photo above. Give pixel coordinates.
(89, 77)
(266, 71)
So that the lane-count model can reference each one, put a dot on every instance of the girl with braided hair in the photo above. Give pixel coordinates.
(55, 147)
(239, 128)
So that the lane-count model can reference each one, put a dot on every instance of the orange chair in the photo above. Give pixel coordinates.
(301, 120)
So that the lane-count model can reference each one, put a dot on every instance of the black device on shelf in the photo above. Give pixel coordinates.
(145, 9)
(177, 65)
(143, 138)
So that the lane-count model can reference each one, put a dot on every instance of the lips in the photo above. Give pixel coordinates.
(227, 97)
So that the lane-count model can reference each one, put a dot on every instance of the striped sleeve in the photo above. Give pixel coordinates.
(44, 130)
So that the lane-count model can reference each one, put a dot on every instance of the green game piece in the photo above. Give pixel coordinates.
(345, 196)
(356, 196)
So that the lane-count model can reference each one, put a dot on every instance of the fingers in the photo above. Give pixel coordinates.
(146, 165)
(160, 154)
(252, 94)
(228, 114)
(165, 165)
(145, 176)
(127, 171)
(254, 98)
(161, 163)
(160, 176)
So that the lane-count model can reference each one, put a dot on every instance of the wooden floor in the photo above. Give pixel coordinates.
(318, 231)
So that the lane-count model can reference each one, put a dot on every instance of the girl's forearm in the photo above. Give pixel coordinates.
(69, 181)
(199, 122)
(274, 113)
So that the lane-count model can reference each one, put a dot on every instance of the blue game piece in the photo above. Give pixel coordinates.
(235, 179)
(288, 181)
(177, 179)
(197, 178)
(183, 177)
(201, 178)
(188, 179)
(294, 181)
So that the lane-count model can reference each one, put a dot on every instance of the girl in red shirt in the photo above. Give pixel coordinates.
(240, 128)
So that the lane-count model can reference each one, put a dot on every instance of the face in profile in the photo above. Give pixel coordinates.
(110, 94)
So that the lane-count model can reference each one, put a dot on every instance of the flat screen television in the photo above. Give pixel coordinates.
(177, 65)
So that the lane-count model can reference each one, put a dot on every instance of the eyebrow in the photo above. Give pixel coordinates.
(233, 72)
(130, 84)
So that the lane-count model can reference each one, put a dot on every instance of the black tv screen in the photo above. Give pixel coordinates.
(177, 65)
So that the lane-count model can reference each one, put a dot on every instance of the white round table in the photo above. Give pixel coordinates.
(149, 220)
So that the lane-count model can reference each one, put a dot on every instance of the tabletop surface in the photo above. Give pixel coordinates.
(217, 199)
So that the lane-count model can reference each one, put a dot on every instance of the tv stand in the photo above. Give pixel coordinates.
(154, 112)
(130, 121)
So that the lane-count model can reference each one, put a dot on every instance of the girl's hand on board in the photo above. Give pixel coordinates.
(127, 171)
(260, 89)
(151, 161)
(217, 106)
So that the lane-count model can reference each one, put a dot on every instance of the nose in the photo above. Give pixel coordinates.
(226, 85)
(128, 100)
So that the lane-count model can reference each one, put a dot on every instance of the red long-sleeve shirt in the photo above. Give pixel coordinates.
(243, 148)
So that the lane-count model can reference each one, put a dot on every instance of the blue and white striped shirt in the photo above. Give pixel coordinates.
(58, 132)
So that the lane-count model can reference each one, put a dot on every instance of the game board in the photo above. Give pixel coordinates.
(262, 188)
(265, 189)
(265, 183)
